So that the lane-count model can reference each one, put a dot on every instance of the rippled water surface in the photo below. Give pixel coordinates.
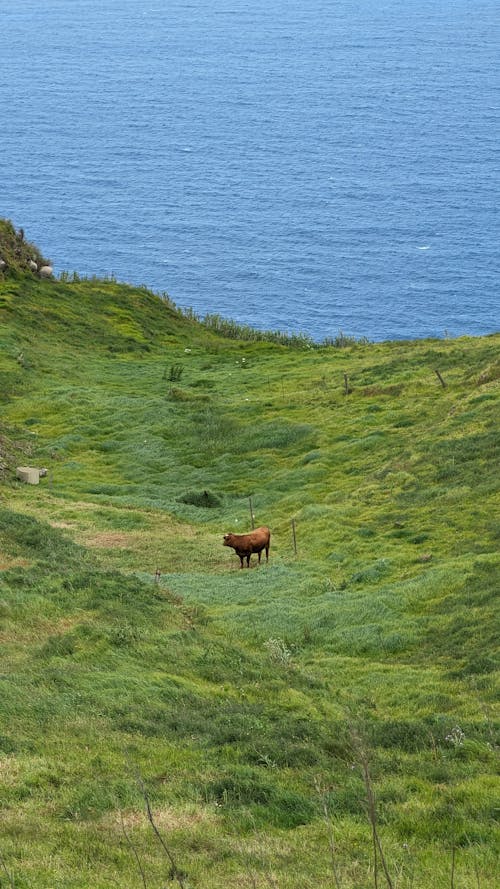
(315, 166)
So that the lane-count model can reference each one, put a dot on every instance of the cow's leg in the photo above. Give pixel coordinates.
(259, 554)
(267, 552)
(241, 560)
(248, 560)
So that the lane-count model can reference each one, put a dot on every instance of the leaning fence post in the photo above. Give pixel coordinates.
(440, 378)
(251, 512)
(294, 535)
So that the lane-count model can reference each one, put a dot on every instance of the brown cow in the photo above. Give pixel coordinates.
(246, 544)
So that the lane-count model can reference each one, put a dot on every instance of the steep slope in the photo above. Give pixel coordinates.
(18, 257)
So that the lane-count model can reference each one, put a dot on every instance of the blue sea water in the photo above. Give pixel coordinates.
(307, 165)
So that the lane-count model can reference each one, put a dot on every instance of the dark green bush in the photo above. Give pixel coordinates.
(205, 499)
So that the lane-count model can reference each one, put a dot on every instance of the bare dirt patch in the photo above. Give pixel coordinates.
(6, 563)
(10, 769)
(111, 540)
(39, 631)
(168, 819)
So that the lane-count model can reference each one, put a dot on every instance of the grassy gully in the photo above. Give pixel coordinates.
(167, 718)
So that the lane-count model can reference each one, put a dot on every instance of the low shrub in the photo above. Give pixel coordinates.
(204, 499)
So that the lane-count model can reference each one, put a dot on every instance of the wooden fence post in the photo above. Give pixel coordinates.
(440, 379)
(251, 512)
(294, 535)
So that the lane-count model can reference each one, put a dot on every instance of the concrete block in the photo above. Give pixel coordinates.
(28, 474)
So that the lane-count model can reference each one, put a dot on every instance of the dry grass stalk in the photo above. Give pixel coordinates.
(378, 853)
(175, 873)
(452, 872)
(329, 827)
(8, 875)
(134, 852)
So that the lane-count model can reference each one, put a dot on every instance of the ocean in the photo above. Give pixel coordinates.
(310, 166)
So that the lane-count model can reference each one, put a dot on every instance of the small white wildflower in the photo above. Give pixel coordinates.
(278, 651)
(187, 350)
(456, 736)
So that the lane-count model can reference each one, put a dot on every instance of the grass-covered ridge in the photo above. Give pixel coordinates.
(248, 702)
(18, 256)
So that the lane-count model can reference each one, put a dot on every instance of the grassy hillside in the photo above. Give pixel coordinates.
(279, 721)
(18, 257)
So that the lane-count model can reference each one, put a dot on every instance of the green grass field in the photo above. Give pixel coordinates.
(284, 722)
